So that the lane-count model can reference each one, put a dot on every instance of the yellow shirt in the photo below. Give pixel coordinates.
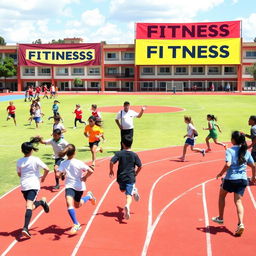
(93, 132)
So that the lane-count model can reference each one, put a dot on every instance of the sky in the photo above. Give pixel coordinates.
(113, 21)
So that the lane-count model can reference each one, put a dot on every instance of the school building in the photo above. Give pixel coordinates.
(117, 72)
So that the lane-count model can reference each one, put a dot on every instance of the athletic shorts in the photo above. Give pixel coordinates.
(74, 194)
(190, 142)
(56, 113)
(11, 115)
(30, 194)
(58, 161)
(37, 119)
(235, 186)
(91, 144)
(128, 188)
(253, 153)
(213, 135)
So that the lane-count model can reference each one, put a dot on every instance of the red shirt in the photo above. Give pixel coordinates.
(38, 89)
(11, 109)
(30, 91)
(45, 89)
(95, 113)
(78, 113)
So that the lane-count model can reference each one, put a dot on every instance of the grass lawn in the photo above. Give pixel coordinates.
(151, 131)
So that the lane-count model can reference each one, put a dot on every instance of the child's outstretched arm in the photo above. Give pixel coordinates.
(218, 127)
(224, 169)
(111, 171)
(138, 170)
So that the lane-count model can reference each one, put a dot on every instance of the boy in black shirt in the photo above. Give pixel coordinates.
(126, 173)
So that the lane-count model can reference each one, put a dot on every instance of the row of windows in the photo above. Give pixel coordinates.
(115, 56)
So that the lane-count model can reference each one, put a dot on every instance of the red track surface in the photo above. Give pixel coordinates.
(150, 109)
(178, 224)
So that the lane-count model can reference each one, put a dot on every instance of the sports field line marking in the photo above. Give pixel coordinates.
(9, 192)
(152, 228)
(150, 207)
(34, 220)
(251, 196)
(206, 220)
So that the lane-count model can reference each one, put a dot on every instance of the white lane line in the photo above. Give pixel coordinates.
(153, 226)
(206, 220)
(251, 196)
(33, 222)
(9, 192)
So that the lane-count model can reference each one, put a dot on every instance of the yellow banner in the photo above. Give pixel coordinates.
(60, 56)
(188, 52)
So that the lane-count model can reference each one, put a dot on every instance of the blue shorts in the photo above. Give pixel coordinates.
(30, 194)
(37, 119)
(76, 195)
(190, 142)
(128, 188)
(235, 186)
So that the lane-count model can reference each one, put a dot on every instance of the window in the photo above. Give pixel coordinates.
(147, 84)
(29, 71)
(112, 84)
(95, 84)
(214, 71)
(229, 70)
(197, 71)
(78, 71)
(62, 71)
(147, 71)
(93, 71)
(247, 70)
(128, 56)
(250, 54)
(164, 71)
(111, 71)
(79, 85)
(162, 85)
(250, 84)
(181, 71)
(44, 71)
(111, 56)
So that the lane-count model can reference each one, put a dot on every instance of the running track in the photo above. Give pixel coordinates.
(173, 217)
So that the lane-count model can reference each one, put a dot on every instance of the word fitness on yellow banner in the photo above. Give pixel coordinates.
(188, 52)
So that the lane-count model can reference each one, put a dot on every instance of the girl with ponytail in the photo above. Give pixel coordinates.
(28, 169)
(235, 181)
(213, 132)
(76, 173)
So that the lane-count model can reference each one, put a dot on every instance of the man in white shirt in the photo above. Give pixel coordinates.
(124, 120)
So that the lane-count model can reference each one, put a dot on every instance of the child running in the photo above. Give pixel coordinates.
(11, 112)
(58, 125)
(76, 173)
(28, 169)
(58, 144)
(213, 132)
(126, 173)
(55, 110)
(190, 141)
(96, 113)
(45, 90)
(37, 116)
(235, 181)
(79, 116)
(94, 133)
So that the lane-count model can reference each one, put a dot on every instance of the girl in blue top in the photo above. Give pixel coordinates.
(235, 181)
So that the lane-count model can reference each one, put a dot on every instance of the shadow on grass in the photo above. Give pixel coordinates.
(112, 151)
(83, 150)
(118, 215)
(213, 230)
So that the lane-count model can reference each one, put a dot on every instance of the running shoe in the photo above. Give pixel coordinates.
(203, 152)
(93, 199)
(126, 212)
(240, 229)
(136, 194)
(26, 233)
(75, 228)
(45, 205)
(101, 150)
(217, 220)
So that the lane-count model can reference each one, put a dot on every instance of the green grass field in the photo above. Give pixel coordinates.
(151, 131)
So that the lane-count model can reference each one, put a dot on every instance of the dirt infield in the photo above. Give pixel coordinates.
(149, 109)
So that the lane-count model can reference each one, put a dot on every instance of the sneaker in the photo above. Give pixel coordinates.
(74, 127)
(208, 150)
(75, 228)
(45, 205)
(93, 199)
(126, 212)
(101, 150)
(225, 146)
(136, 194)
(240, 229)
(203, 152)
(56, 187)
(26, 233)
(217, 220)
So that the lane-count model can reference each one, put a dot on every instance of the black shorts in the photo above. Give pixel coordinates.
(11, 115)
(56, 113)
(235, 186)
(74, 194)
(91, 144)
(58, 161)
(253, 153)
(30, 194)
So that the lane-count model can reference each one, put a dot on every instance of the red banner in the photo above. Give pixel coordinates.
(206, 30)
(59, 54)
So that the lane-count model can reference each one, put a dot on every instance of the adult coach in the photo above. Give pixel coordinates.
(124, 119)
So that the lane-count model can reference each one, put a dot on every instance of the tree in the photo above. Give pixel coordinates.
(59, 41)
(78, 82)
(38, 41)
(7, 68)
(2, 41)
(254, 40)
